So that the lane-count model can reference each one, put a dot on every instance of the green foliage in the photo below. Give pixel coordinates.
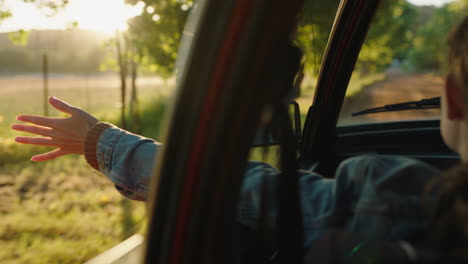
(49, 6)
(109, 61)
(73, 25)
(156, 33)
(312, 40)
(388, 38)
(4, 14)
(152, 114)
(430, 46)
(19, 38)
(314, 29)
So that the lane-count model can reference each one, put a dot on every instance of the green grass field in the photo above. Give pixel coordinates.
(62, 211)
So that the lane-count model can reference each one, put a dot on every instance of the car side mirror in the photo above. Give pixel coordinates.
(268, 131)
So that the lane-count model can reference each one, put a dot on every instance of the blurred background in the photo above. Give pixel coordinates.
(116, 60)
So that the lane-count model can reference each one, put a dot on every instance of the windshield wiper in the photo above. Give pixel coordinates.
(423, 104)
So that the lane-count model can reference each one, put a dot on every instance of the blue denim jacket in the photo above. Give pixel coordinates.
(380, 196)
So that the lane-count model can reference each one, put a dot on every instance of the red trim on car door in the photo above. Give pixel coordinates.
(220, 71)
(339, 57)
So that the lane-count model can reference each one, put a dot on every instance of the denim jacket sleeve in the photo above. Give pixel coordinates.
(127, 160)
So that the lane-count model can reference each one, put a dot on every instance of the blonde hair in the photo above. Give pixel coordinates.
(458, 56)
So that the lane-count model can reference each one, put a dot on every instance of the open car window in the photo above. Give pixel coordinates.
(402, 60)
(312, 34)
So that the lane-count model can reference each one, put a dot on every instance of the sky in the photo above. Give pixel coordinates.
(103, 15)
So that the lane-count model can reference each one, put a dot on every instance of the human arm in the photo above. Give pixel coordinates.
(126, 159)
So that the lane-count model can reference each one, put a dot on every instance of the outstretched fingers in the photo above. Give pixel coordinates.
(40, 120)
(38, 130)
(61, 105)
(46, 142)
(49, 155)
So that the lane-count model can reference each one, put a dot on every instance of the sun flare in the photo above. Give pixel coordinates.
(103, 15)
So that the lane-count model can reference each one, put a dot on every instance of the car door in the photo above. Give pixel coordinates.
(221, 91)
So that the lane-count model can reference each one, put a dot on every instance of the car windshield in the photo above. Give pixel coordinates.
(402, 61)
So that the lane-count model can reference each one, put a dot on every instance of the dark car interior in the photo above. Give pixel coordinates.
(419, 140)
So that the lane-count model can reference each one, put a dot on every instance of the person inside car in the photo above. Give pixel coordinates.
(377, 196)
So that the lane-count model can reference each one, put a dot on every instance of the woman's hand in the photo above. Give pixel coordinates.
(67, 134)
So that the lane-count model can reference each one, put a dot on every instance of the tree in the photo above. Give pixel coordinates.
(313, 30)
(389, 36)
(151, 43)
(157, 31)
(121, 44)
(122, 57)
(49, 6)
(429, 47)
(134, 102)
